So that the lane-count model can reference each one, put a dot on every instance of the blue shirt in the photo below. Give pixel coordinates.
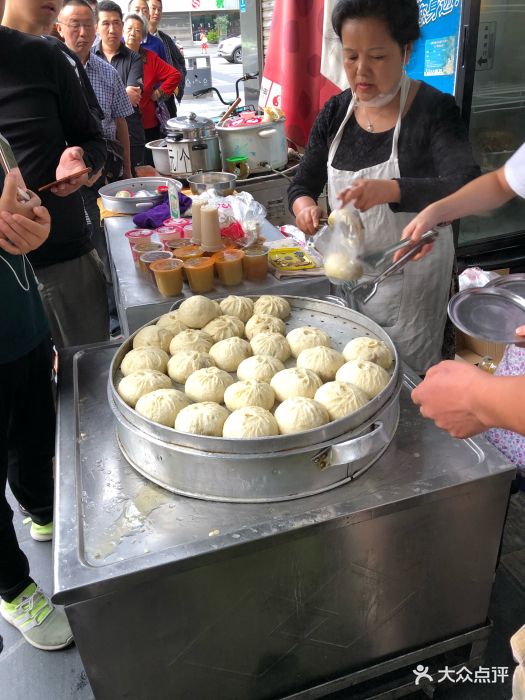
(110, 91)
(154, 44)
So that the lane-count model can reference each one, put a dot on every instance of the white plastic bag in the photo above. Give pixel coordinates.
(475, 277)
(341, 244)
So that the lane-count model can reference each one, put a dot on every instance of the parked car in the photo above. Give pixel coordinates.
(231, 49)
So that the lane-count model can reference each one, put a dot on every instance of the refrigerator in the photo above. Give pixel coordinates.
(475, 50)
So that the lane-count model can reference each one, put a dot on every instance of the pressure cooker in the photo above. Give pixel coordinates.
(193, 145)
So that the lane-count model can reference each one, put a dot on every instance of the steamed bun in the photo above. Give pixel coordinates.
(153, 336)
(136, 384)
(144, 358)
(191, 340)
(229, 353)
(340, 398)
(171, 322)
(224, 327)
(298, 414)
(296, 381)
(273, 344)
(242, 307)
(369, 377)
(162, 405)
(272, 306)
(250, 422)
(184, 362)
(197, 311)
(369, 349)
(205, 418)
(259, 367)
(307, 337)
(207, 384)
(249, 393)
(323, 361)
(262, 323)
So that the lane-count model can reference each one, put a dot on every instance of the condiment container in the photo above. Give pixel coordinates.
(199, 272)
(146, 259)
(210, 230)
(196, 206)
(145, 247)
(166, 234)
(228, 265)
(187, 252)
(176, 223)
(168, 276)
(255, 264)
(175, 244)
(135, 235)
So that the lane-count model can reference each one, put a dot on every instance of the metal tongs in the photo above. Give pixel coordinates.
(367, 289)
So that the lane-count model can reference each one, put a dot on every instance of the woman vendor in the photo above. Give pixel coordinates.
(390, 146)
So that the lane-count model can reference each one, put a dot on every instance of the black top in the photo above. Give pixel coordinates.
(130, 67)
(176, 59)
(42, 111)
(435, 157)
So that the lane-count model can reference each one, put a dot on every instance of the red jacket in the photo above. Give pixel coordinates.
(157, 73)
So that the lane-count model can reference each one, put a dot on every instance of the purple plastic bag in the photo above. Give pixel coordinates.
(153, 218)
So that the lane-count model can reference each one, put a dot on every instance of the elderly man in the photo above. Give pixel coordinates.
(152, 43)
(44, 115)
(173, 53)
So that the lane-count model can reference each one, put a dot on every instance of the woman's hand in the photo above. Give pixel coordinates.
(71, 161)
(308, 219)
(20, 235)
(365, 194)
(428, 218)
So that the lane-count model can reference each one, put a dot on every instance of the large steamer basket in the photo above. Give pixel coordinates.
(272, 468)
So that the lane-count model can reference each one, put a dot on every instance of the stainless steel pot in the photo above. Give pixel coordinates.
(272, 468)
(263, 144)
(193, 145)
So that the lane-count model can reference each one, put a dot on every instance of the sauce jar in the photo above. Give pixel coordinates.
(199, 272)
(228, 265)
(146, 259)
(168, 276)
(255, 264)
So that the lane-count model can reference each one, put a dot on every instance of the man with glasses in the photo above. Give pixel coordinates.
(173, 54)
(128, 65)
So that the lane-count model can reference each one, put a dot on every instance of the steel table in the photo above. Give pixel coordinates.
(138, 299)
(173, 597)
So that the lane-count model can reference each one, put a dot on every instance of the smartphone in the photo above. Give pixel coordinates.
(9, 164)
(64, 179)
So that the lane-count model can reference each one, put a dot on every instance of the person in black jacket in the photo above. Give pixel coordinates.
(173, 54)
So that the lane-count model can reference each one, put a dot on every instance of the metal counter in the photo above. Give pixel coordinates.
(173, 597)
(138, 299)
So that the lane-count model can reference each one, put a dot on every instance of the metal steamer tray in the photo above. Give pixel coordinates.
(271, 468)
(134, 205)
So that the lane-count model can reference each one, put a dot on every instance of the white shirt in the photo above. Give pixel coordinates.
(515, 171)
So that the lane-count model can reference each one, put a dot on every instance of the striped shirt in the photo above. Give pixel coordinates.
(110, 91)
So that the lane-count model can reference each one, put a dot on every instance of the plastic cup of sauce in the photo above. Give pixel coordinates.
(199, 272)
(145, 247)
(168, 276)
(146, 259)
(228, 264)
(255, 264)
(136, 235)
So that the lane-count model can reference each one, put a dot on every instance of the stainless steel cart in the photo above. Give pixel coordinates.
(175, 597)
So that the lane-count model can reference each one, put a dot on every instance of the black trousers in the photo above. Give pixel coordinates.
(27, 447)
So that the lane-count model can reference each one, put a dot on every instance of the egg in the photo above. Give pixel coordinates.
(124, 194)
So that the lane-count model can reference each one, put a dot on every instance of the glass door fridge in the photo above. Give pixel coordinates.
(496, 129)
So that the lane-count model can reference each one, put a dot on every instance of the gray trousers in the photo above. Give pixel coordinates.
(74, 296)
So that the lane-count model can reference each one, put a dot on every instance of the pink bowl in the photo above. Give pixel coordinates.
(174, 223)
(135, 235)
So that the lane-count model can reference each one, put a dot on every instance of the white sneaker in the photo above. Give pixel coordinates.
(42, 624)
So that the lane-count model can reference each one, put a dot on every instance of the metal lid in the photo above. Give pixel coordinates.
(191, 126)
(490, 313)
(513, 283)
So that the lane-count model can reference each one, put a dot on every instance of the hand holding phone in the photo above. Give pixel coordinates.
(68, 171)
(67, 178)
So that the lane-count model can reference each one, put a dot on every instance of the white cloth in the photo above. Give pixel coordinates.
(515, 171)
(412, 304)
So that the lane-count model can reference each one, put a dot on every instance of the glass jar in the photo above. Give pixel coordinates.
(255, 264)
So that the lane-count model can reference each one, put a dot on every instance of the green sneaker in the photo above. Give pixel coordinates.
(42, 625)
(41, 533)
